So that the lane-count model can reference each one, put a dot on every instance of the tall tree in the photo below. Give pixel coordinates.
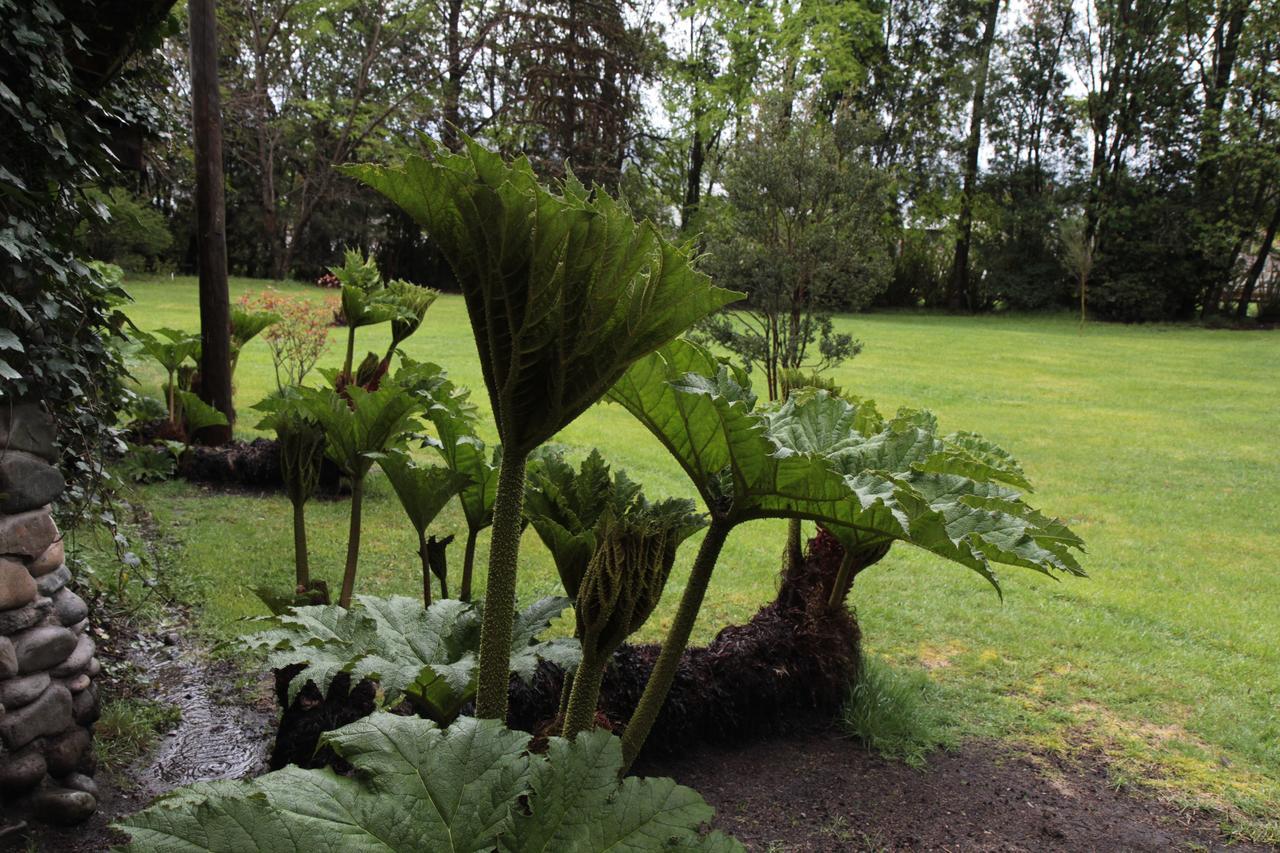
(215, 301)
(960, 294)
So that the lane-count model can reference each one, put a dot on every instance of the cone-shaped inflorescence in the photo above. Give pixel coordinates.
(622, 585)
(564, 291)
(565, 507)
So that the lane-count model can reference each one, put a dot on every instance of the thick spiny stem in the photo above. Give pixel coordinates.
(353, 542)
(664, 670)
(581, 712)
(468, 562)
(500, 592)
(302, 568)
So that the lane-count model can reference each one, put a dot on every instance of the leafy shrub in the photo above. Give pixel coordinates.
(472, 786)
(425, 655)
(297, 340)
(825, 459)
(358, 425)
(147, 464)
(133, 234)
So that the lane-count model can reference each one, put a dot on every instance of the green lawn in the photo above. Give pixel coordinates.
(1157, 443)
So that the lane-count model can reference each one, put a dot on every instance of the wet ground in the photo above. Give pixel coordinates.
(224, 732)
(820, 792)
(804, 793)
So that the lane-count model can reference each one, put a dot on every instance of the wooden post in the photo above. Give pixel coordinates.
(211, 230)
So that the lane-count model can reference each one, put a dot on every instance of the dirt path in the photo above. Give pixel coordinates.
(219, 736)
(819, 792)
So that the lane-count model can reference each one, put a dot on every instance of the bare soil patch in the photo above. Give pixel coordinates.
(821, 792)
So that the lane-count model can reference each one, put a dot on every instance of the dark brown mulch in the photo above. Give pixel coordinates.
(790, 665)
(821, 792)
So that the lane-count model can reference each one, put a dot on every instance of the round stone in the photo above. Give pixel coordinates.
(63, 752)
(27, 426)
(27, 481)
(13, 621)
(22, 771)
(8, 658)
(79, 628)
(28, 533)
(16, 692)
(17, 587)
(80, 782)
(50, 559)
(44, 647)
(62, 806)
(78, 661)
(54, 581)
(85, 707)
(50, 714)
(80, 682)
(69, 607)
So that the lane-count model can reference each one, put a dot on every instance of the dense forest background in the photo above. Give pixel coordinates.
(973, 155)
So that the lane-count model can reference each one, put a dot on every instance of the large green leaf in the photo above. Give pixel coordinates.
(427, 654)
(360, 425)
(564, 507)
(564, 289)
(464, 452)
(170, 349)
(417, 787)
(196, 413)
(424, 490)
(812, 457)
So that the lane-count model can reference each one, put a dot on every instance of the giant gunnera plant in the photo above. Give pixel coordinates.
(613, 550)
(564, 291)
(825, 459)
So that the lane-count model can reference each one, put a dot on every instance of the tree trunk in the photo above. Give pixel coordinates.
(959, 295)
(693, 182)
(453, 78)
(1259, 264)
(215, 308)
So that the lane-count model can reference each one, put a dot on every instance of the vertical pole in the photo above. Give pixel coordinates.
(211, 231)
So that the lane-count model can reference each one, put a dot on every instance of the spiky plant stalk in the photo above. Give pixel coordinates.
(301, 564)
(853, 562)
(353, 541)
(468, 563)
(677, 640)
(500, 593)
(425, 556)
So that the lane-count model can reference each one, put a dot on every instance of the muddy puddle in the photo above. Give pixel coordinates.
(219, 735)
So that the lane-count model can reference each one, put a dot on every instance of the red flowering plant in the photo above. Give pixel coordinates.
(298, 340)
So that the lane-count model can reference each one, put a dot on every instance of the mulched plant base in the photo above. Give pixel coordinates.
(821, 792)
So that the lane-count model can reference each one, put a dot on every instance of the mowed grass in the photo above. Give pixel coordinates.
(1157, 443)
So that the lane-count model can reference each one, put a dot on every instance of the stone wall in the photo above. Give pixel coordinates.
(48, 701)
